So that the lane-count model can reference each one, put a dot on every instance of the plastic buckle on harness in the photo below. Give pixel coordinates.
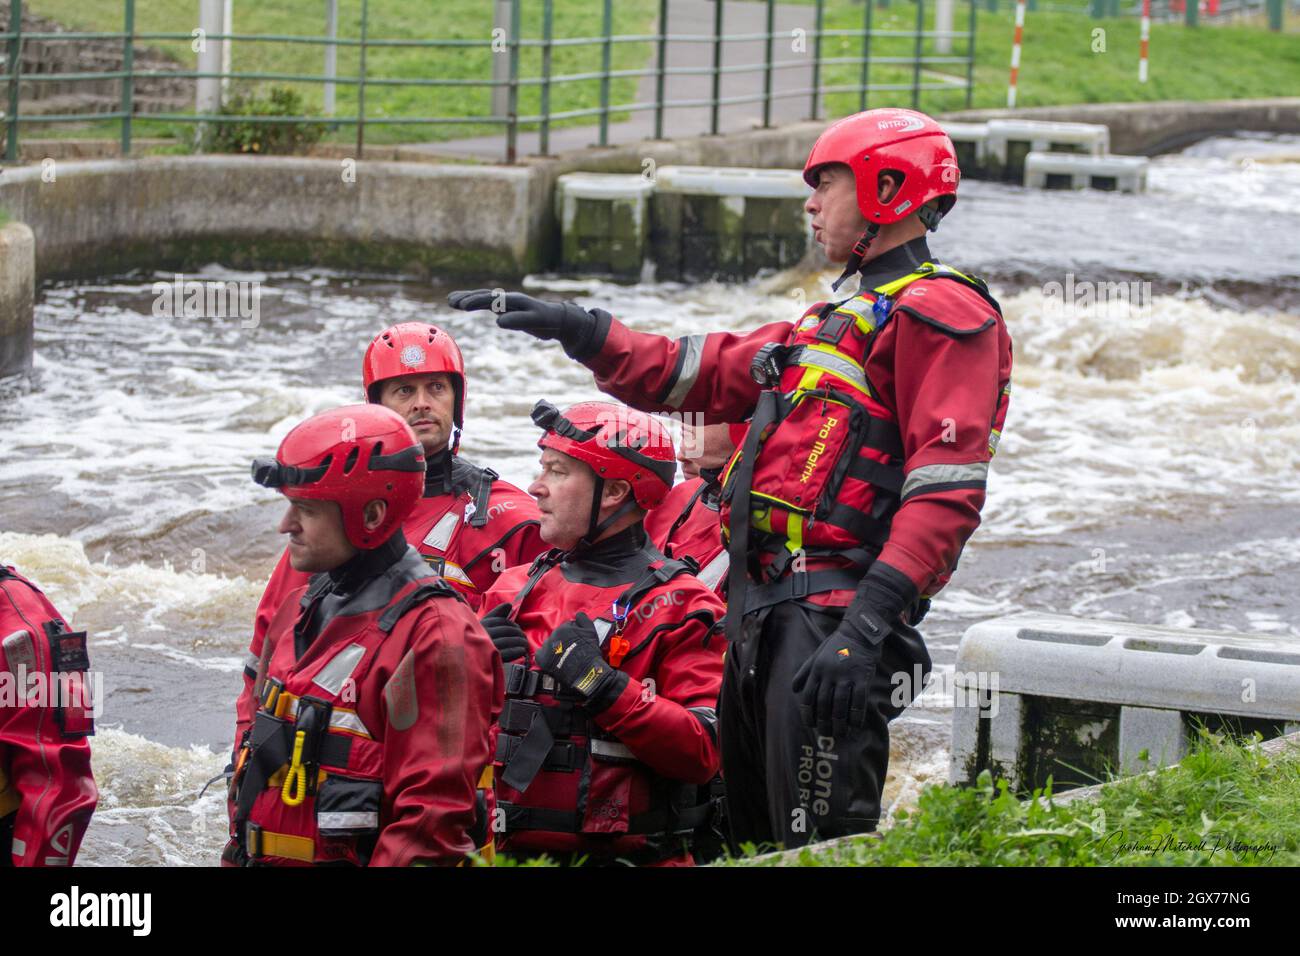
(798, 585)
(271, 693)
(833, 329)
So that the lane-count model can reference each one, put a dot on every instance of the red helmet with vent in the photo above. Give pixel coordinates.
(351, 455)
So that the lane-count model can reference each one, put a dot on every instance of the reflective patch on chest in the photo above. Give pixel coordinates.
(440, 536)
(19, 652)
(339, 669)
(712, 572)
(400, 696)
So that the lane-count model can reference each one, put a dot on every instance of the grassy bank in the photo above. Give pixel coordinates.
(1224, 805)
(1063, 60)
(390, 20)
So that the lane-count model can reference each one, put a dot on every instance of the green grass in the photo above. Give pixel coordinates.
(393, 20)
(1058, 66)
(1221, 796)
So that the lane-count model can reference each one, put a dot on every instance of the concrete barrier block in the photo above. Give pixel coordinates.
(1079, 699)
(970, 140)
(1009, 141)
(604, 222)
(1073, 171)
(728, 222)
(17, 298)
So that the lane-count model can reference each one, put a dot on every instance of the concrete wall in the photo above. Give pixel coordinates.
(1150, 128)
(17, 286)
(99, 218)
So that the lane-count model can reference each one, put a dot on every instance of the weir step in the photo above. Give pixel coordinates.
(1071, 171)
(1039, 695)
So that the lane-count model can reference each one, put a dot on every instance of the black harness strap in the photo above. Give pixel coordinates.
(765, 413)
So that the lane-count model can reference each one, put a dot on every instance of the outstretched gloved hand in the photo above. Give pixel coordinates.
(508, 637)
(833, 685)
(580, 331)
(572, 656)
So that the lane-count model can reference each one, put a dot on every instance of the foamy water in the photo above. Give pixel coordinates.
(1147, 471)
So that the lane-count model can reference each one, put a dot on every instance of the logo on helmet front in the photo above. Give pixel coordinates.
(412, 356)
(904, 124)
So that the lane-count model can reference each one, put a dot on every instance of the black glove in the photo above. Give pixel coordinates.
(572, 656)
(507, 636)
(833, 684)
(582, 333)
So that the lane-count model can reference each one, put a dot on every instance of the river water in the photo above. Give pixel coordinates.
(1148, 471)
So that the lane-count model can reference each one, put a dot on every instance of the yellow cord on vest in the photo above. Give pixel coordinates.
(294, 790)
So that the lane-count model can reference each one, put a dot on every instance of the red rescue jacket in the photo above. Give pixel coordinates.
(371, 742)
(891, 410)
(469, 535)
(47, 791)
(629, 782)
(687, 524)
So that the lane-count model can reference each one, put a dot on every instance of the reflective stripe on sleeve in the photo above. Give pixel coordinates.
(929, 478)
(692, 351)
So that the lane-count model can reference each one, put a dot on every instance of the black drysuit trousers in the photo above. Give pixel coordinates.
(786, 784)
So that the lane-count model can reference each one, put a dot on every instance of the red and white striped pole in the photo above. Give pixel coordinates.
(1015, 53)
(1146, 39)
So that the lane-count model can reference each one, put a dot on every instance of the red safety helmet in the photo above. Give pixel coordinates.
(891, 140)
(617, 442)
(414, 348)
(351, 455)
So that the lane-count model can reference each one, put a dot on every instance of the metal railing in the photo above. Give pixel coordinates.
(924, 71)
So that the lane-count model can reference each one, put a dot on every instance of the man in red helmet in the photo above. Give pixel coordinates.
(608, 741)
(47, 791)
(862, 474)
(377, 687)
(686, 523)
(469, 524)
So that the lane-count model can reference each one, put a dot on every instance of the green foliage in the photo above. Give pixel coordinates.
(1224, 805)
(288, 137)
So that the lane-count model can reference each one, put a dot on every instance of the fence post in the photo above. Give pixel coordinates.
(767, 64)
(916, 56)
(993, 6)
(866, 54)
(717, 65)
(1193, 13)
(943, 19)
(1275, 15)
(605, 54)
(207, 89)
(1099, 9)
(512, 109)
(501, 64)
(660, 57)
(331, 52)
(128, 81)
(15, 72)
(970, 54)
(548, 11)
(817, 56)
(361, 81)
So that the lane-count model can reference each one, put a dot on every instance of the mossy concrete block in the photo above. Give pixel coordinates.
(17, 297)
(604, 222)
(1098, 693)
(1150, 737)
(100, 217)
(1009, 141)
(729, 222)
